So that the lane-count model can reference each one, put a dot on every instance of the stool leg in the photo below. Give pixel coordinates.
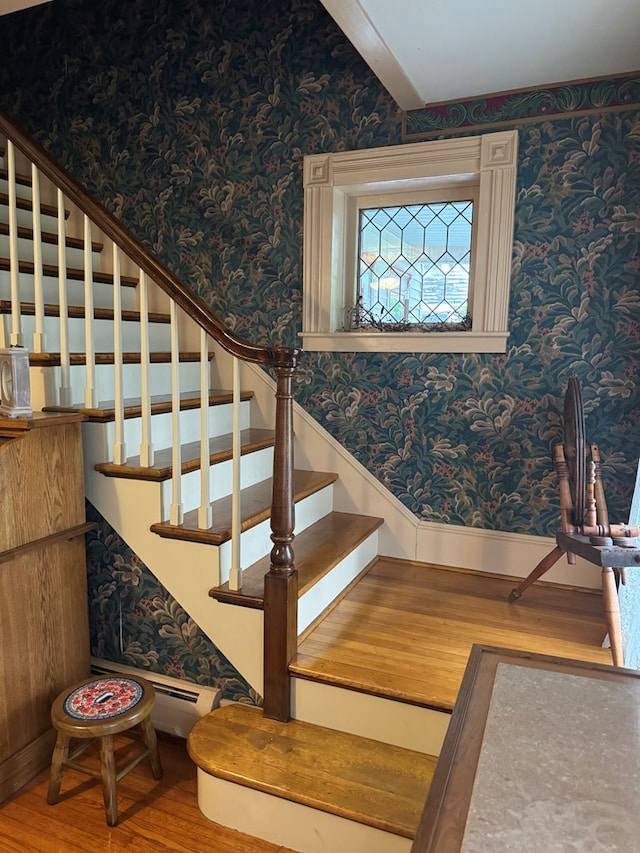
(612, 613)
(108, 774)
(60, 753)
(151, 742)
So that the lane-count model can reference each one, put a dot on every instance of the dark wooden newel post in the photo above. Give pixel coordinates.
(281, 582)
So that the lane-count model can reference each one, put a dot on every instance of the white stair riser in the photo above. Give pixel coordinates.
(74, 257)
(100, 437)
(45, 382)
(159, 334)
(256, 539)
(22, 191)
(319, 597)
(25, 219)
(256, 467)
(376, 717)
(102, 293)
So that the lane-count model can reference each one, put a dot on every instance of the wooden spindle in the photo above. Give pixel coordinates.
(601, 503)
(65, 359)
(39, 337)
(90, 397)
(235, 573)
(176, 513)
(205, 515)
(566, 501)
(146, 442)
(16, 338)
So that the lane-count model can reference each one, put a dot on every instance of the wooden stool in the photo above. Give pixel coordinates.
(101, 707)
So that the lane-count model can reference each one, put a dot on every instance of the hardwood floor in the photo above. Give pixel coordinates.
(406, 631)
(154, 817)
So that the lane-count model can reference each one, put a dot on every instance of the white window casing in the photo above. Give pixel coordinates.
(331, 181)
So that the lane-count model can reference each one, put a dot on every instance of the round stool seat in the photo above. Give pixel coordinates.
(101, 707)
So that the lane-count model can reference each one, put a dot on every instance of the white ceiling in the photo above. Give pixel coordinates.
(426, 51)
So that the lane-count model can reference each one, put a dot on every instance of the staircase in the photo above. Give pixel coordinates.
(183, 459)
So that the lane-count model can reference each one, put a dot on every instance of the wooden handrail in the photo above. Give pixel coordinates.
(190, 303)
(280, 616)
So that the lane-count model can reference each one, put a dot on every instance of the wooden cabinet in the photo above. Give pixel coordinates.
(44, 630)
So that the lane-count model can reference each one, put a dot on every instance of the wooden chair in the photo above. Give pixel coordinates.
(101, 707)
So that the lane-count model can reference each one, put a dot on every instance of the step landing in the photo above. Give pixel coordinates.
(379, 787)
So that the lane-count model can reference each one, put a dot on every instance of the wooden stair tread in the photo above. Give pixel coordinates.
(78, 311)
(359, 779)
(160, 404)
(52, 271)
(220, 450)
(52, 359)
(318, 549)
(48, 237)
(406, 630)
(255, 508)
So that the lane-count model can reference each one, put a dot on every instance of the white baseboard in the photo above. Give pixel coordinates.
(404, 535)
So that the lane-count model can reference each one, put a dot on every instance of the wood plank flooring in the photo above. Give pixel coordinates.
(154, 816)
(406, 630)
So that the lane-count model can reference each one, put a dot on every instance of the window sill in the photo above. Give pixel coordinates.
(450, 342)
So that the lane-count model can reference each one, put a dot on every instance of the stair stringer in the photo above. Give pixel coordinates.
(187, 570)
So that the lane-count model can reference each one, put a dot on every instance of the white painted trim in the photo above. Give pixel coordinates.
(510, 554)
(354, 21)
(332, 180)
(289, 824)
(450, 342)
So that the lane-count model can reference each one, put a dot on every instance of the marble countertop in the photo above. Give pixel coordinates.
(559, 766)
(542, 756)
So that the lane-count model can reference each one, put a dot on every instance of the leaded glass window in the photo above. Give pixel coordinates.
(413, 266)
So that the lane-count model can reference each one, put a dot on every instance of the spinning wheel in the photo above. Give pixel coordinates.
(585, 529)
(575, 449)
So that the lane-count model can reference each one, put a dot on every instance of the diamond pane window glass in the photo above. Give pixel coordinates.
(413, 266)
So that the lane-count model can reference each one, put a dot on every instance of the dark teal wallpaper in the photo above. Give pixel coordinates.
(190, 120)
(134, 621)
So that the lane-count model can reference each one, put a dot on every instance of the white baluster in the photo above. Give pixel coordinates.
(205, 516)
(39, 336)
(176, 514)
(65, 361)
(90, 400)
(119, 448)
(16, 337)
(146, 443)
(235, 573)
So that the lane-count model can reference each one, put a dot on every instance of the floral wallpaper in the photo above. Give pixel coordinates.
(190, 121)
(134, 621)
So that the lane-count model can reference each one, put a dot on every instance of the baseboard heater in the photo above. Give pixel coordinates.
(179, 704)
